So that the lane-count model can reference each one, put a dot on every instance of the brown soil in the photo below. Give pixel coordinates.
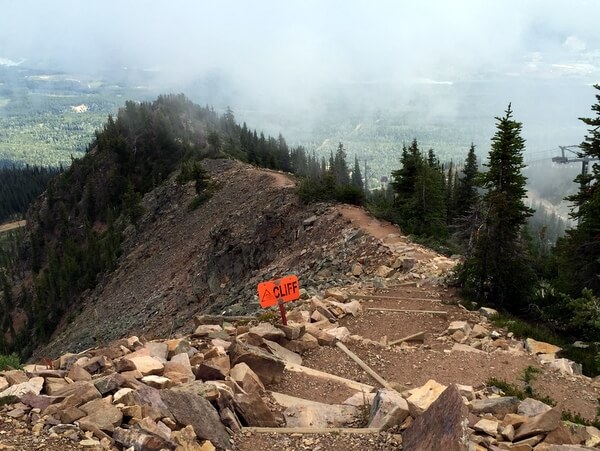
(312, 388)
(15, 435)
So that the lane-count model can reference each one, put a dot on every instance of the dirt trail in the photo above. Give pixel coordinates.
(282, 180)
(382, 230)
(12, 225)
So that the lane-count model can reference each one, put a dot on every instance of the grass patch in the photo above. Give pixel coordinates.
(10, 362)
(528, 377)
(6, 400)
(576, 418)
(199, 200)
(523, 329)
(589, 358)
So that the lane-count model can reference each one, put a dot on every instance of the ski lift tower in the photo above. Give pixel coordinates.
(564, 159)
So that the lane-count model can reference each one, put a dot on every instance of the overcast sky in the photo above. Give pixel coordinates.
(324, 40)
(288, 52)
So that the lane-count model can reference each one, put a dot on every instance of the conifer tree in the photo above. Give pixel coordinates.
(340, 166)
(356, 175)
(498, 272)
(466, 191)
(579, 251)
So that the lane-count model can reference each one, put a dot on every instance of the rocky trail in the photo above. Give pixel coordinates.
(377, 354)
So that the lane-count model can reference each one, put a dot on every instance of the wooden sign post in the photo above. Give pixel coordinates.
(278, 292)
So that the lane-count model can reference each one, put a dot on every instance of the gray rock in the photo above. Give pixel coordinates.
(309, 221)
(253, 410)
(495, 406)
(487, 312)
(138, 440)
(194, 410)
(531, 407)
(389, 409)
(545, 422)
(268, 367)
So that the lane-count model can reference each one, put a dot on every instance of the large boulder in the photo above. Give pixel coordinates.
(268, 367)
(422, 397)
(267, 331)
(444, 426)
(105, 416)
(191, 409)
(389, 409)
(542, 423)
(253, 410)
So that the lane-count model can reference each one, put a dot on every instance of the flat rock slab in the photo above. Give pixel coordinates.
(444, 426)
(321, 415)
(545, 422)
(540, 347)
(496, 406)
(33, 385)
(103, 415)
(194, 410)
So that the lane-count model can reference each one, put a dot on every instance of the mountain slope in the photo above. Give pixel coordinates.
(180, 262)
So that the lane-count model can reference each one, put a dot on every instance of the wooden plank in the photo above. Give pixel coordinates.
(399, 310)
(364, 366)
(389, 298)
(419, 336)
(220, 319)
(264, 430)
(400, 285)
(358, 386)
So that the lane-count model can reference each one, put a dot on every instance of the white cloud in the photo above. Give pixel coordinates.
(574, 44)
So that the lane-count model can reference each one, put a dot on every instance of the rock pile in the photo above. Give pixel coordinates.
(194, 393)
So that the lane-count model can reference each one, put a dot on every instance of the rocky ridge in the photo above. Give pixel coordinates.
(377, 354)
(237, 382)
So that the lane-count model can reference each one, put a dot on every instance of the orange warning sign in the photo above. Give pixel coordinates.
(286, 288)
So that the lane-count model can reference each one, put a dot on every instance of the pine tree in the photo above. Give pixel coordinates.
(340, 166)
(499, 271)
(579, 251)
(356, 175)
(466, 191)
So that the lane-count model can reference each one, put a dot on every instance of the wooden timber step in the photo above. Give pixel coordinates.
(397, 310)
(358, 386)
(265, 430)
(376, 297)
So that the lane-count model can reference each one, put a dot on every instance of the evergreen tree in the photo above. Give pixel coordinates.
(499, 272)
(356, 175)
(340, 166)
(579, 251)
(466, 191)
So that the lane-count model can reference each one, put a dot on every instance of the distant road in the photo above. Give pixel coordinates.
(11, 226)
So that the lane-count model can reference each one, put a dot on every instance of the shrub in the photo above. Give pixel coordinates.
(8, 362)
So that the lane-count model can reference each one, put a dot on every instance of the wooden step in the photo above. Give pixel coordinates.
(264, 430)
